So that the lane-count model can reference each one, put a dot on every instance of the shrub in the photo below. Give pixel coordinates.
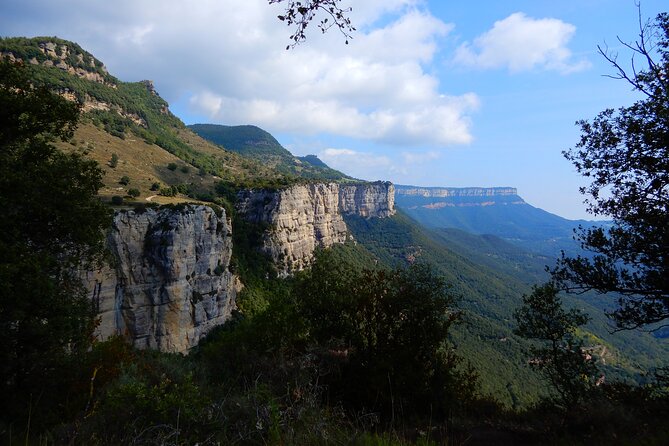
(185, 169)
(172, 166)
(155, 186)
(117, 200)
(134, 193)
(113, 162)
(125, 180)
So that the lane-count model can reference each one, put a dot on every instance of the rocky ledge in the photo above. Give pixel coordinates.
(442, 192)
(170, 281)
(304, 217)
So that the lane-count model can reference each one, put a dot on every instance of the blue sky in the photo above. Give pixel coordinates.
(431, 93)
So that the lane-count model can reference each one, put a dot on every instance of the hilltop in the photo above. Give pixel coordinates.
(255, 143)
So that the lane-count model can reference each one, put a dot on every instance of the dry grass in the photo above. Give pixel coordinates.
(143, 163)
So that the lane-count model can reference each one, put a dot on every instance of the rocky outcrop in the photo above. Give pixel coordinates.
(170, 282)
(441, 192)
(367, 199)
(303, 217)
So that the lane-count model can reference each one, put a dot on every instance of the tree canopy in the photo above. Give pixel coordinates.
(51, 224)
(626, 154)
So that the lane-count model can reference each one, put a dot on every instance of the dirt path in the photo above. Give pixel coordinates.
(151, 197)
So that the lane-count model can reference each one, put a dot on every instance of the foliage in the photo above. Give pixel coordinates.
(125, 180)
(300, 13)
(117, 200)
(51, 224)
(113, 162)
(560, 356)
(626, 153)
(172, 166)
(376, 339)
(390, 329)
(134, 192)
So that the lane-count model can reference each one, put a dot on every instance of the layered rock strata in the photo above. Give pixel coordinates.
(441, 192)
(367, 199)
(170, 282)
(304, 217)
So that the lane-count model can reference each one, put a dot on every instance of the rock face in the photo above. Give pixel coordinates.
(441, 192)
(304, 217)
(170, 283)
(367, 200)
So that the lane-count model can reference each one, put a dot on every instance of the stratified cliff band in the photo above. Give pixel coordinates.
(170, 283)
(304, 217)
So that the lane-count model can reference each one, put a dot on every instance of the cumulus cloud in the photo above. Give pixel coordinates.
(364, 165)
(420, 157)
(521, 43)
(226, 58)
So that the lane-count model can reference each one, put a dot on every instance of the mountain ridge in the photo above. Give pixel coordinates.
(258, 144)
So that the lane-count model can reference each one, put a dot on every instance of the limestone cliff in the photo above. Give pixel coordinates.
(441, 192)
(304, 217)
(367, 199)
(170, 282)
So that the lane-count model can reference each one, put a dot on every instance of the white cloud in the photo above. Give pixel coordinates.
(364, 165)
(228, 57)
(420, 157)
(522, 43)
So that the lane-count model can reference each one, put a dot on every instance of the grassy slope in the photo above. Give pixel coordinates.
(133, 121)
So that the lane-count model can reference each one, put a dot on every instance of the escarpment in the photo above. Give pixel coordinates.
(442, 192)
(304, 217)
(170, 282)
(368, 200)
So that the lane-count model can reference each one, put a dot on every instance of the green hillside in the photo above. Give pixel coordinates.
(491, 276)
(254, 142)
(154, 148)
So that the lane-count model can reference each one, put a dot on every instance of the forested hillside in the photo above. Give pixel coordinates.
(395, 334)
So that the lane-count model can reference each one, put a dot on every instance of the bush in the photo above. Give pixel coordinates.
(185, 169)
(125, 180)
(113, 162)
(134, 193)
(172, 166)
(117, 200)
(155, 186)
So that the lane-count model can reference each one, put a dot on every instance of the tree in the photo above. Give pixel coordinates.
(51, 224)
(626, 153)
(300, 13)
(560, 356)
(386, 331)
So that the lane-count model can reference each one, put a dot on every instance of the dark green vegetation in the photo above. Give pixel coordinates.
(255, 143)
(491, 276)
(370, 346)
(626, 154)
(506, 216)
(561, 356)
(51, 224)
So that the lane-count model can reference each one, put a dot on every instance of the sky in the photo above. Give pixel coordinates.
(427, 92)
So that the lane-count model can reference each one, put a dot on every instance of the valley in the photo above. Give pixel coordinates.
(231, 265)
